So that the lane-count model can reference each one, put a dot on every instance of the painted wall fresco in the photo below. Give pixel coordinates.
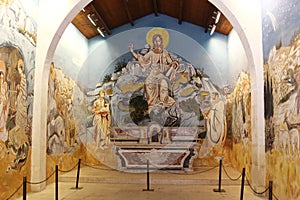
(62, 135)
(17, 51)
(239, 103)
(282, 59)
(63, 145)
(154, 100)
(282, 124)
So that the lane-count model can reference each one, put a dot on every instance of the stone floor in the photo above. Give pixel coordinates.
(104, 183)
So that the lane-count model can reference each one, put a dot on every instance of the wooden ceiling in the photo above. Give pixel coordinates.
(110, 14)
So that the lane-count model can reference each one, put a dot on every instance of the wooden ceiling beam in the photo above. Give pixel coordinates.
(180, 14)
(125, 2)
(102, 22)
(155, 7)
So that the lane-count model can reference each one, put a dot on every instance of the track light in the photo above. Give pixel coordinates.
(100, 31)
(217, 17)
(89, 16)
(213, 28)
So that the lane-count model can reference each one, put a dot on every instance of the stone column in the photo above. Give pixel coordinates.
(54, 17)
(246, 20)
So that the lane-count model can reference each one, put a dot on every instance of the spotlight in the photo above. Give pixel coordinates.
(217, 17)
(100, 31)
(89, 16)
(213, 28)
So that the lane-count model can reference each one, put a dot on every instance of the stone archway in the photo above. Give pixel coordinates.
(50, 29)
(250, 33)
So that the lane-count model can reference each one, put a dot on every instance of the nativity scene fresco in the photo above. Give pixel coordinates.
(282, 117)
(239, 113)
(155, 106)
(281, 74)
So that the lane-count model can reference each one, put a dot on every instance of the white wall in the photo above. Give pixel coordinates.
(71, 52)
(50, 29)
(236, 55)
(245, 16)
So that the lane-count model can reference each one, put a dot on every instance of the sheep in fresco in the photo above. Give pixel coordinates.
(282, 141)
(56, 138)
(244, 135)
(294, 140)
(18, 144)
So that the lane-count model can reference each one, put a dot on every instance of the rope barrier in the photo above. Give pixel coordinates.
(35, 183)
(243, 183)
(258, 193)
(39, 182)
(156, 167)
(232, 179)
(220, 176)
(148, 178)
(65, 171)
(15, 192)
(185, 172)
(95, 167)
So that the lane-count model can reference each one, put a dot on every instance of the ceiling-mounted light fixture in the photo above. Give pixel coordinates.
(213, 28)
(100, 31)
(89, 16)
(217, 17)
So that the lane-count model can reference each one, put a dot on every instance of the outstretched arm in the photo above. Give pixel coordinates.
(131, 51)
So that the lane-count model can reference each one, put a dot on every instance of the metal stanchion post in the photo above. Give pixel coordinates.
(56, 182)
(77, 177)
(24, 187)
(220, 176)
(270, 190)
(148, 179)
(243, 183)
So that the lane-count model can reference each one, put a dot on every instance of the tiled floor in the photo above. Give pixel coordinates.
(103, 183)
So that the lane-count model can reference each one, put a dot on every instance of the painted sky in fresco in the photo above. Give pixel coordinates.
(209, 55)
(280, 22)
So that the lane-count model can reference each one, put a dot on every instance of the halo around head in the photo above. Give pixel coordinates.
(157, 30)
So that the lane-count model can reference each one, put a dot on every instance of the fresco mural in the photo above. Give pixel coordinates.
(239, 102)
(282, 124)
(17, 52)
(62, 134)
(282, 60)
(155, 104)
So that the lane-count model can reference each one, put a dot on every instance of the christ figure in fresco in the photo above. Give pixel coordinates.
(162, 69)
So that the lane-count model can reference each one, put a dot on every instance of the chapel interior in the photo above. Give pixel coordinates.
(152, 99)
